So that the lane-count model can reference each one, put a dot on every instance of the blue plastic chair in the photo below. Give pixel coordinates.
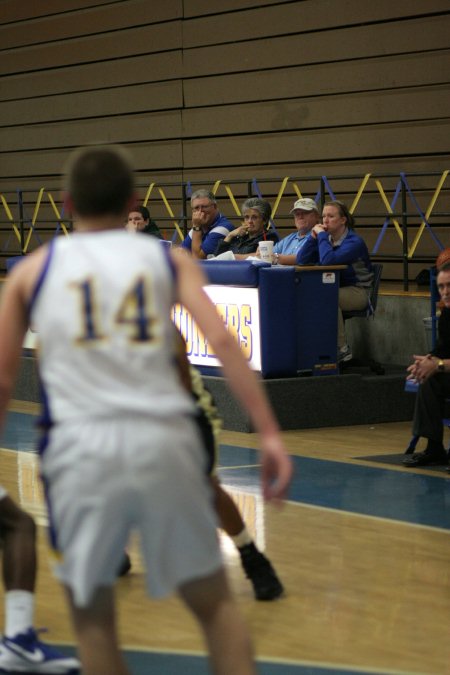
(368, 312)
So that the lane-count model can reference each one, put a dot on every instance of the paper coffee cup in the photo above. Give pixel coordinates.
(266, 250)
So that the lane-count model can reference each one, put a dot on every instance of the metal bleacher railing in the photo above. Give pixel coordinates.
(393, 210)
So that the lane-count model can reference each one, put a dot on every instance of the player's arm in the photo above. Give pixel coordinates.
(276, 465)
(14, 323)
(13, 326)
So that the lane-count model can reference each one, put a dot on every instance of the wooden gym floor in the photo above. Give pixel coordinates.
(362, 547)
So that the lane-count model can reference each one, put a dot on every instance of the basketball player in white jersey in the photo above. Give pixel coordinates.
(121, 448)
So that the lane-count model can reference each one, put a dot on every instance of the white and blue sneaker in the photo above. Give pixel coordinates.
(24, 653)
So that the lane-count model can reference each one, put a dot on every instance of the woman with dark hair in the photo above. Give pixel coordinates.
(139, 221)
(243, 241)
(334, 242)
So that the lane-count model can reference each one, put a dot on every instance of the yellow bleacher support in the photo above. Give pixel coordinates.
(148, 193)
(57, 213)
(166, 204)
(388, 208)
(428, 213)
(359, 193)
(33, 220)
(10, 217)
(279, 195)
(297, 191)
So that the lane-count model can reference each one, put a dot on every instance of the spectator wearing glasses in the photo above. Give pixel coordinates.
(243, 241)
(139, 221)
(209, 226)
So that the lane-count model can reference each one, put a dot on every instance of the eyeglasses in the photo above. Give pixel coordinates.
(202, 207)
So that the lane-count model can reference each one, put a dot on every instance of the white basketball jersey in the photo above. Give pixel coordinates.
(101, 311)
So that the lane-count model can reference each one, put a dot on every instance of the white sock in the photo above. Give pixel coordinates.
(242, 539)
(19, 612)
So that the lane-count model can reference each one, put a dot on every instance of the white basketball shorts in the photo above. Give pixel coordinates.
(106, 477)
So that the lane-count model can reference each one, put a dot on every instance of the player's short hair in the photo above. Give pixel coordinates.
(99, 180)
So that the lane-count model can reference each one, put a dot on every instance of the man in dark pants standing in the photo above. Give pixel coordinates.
(432, 372)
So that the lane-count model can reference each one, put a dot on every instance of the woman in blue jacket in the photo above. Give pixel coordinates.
(334, 242)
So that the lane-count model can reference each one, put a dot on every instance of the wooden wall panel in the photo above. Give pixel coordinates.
(78, 105)
(94, 76)
(43, 163)
(73, 133)
(381, 74)
(92, 20)
(11, 10)
(140, 40)
(350, 142)
(205, 7)
(298, 17)
(333, 45)
(397, 105)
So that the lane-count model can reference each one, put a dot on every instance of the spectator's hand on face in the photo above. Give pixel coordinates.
(241, 231)
(200, 219)
(131, 226)
(317, 229)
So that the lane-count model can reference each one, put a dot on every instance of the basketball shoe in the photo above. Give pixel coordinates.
(258, 569)
(24, 653)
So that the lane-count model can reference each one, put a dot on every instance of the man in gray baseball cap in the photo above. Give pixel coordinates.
(306, 215)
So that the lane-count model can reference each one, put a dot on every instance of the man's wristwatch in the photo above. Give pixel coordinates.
(441, 366)
(196, 228)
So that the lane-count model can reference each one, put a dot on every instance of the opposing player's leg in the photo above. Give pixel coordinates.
(18, 534)
(257, 568)
(95, 627)
(20, 649)
(225, 631)
(265, 582)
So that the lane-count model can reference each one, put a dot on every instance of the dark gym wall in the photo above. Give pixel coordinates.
(203, 91)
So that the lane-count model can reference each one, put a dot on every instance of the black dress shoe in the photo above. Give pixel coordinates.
(125, 565)
(426, 459)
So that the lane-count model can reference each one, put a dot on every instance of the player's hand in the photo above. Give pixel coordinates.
(276, 470)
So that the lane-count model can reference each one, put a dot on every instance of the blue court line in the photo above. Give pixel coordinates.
(406, 496)
(155, 663)
(397, 495)
(142, 662)
(19, 432)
